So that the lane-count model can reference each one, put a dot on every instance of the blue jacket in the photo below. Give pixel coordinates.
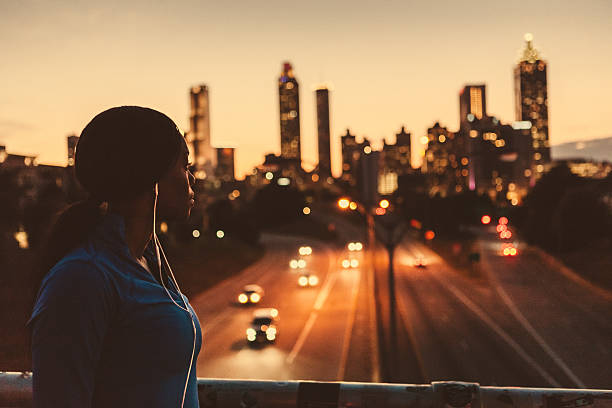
(106, 334)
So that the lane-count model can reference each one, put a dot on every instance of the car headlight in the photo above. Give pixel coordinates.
(255, 297)
(313, 280)
(271, 330)
(346, 263)
(251, 332)
(242, 298)
(270, 336)
(354, 263)
(303, 281)
(293, 264)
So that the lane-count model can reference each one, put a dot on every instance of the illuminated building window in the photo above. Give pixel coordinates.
(489, 136)
(465, 161)
(537, 156)
(473, 133)
(527, 173)
(289, 85)
(500, 143)
(292, 114)
(464, 172)
(442, 138)
(540, 168)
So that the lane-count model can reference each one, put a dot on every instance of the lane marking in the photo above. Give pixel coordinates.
(349, 328)
(410, 329)
(500, 332)
(331, 278)
(497, 329)
(533, 332)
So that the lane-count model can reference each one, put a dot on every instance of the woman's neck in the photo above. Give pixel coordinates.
(138, 218)
(138, 232)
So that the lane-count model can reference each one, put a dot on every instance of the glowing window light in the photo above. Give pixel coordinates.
(195, 233)
(220, 234)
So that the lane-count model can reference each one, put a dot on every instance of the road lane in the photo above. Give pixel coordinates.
(324, 344)
(553, 309)
(455, 338)
(571, 322)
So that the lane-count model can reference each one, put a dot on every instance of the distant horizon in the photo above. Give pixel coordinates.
(390, 64)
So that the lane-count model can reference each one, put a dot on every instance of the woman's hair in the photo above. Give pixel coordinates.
(121, 154)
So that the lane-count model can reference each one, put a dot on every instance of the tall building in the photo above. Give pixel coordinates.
(289, 101)
(446, 161)
(531, 99)
(198, 137)
(351, 154)
(323, 132)
(472, 104)
(225, 164)
(72, 141)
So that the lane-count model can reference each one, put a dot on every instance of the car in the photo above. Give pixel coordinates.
(308, 279)
(419, 262)
(263, 327)
(305, 250)
(251, 294)
(509, 250)
(354, 246)
(297, 264)
(350, 263)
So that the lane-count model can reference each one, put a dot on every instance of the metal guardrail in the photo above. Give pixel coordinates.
(16, 392)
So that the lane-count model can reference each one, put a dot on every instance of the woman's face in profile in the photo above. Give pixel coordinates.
(175, 196)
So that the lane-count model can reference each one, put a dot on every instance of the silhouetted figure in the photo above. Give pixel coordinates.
(110, 326)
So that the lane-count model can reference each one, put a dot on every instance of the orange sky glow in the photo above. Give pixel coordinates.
(389, 64)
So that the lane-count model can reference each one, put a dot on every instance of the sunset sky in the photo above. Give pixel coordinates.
(389, 63)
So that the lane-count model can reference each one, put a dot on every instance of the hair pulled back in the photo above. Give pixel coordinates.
(121, 154)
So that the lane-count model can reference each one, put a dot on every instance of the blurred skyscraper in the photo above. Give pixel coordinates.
(531, 98)
(351, 154)
(323, 132)
(472, 104)
(289, 101)
(225, 164)
(198, 136)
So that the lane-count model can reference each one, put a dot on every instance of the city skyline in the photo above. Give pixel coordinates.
(400, 83)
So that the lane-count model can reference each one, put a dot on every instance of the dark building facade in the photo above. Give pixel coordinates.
(351, 154)
(472, 103)
(225, 164)
(446, 161)
(289, 101)
(323, 130)
(531, 99)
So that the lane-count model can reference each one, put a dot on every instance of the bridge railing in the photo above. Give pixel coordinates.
(16, 392)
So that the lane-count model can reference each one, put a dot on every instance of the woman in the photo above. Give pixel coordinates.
(110, 327)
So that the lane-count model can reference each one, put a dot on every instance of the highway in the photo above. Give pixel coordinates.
(316, 329)
(515, 321)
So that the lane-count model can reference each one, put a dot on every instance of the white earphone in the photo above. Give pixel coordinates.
(158, 249)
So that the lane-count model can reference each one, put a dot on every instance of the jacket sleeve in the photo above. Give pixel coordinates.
(69, 322)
